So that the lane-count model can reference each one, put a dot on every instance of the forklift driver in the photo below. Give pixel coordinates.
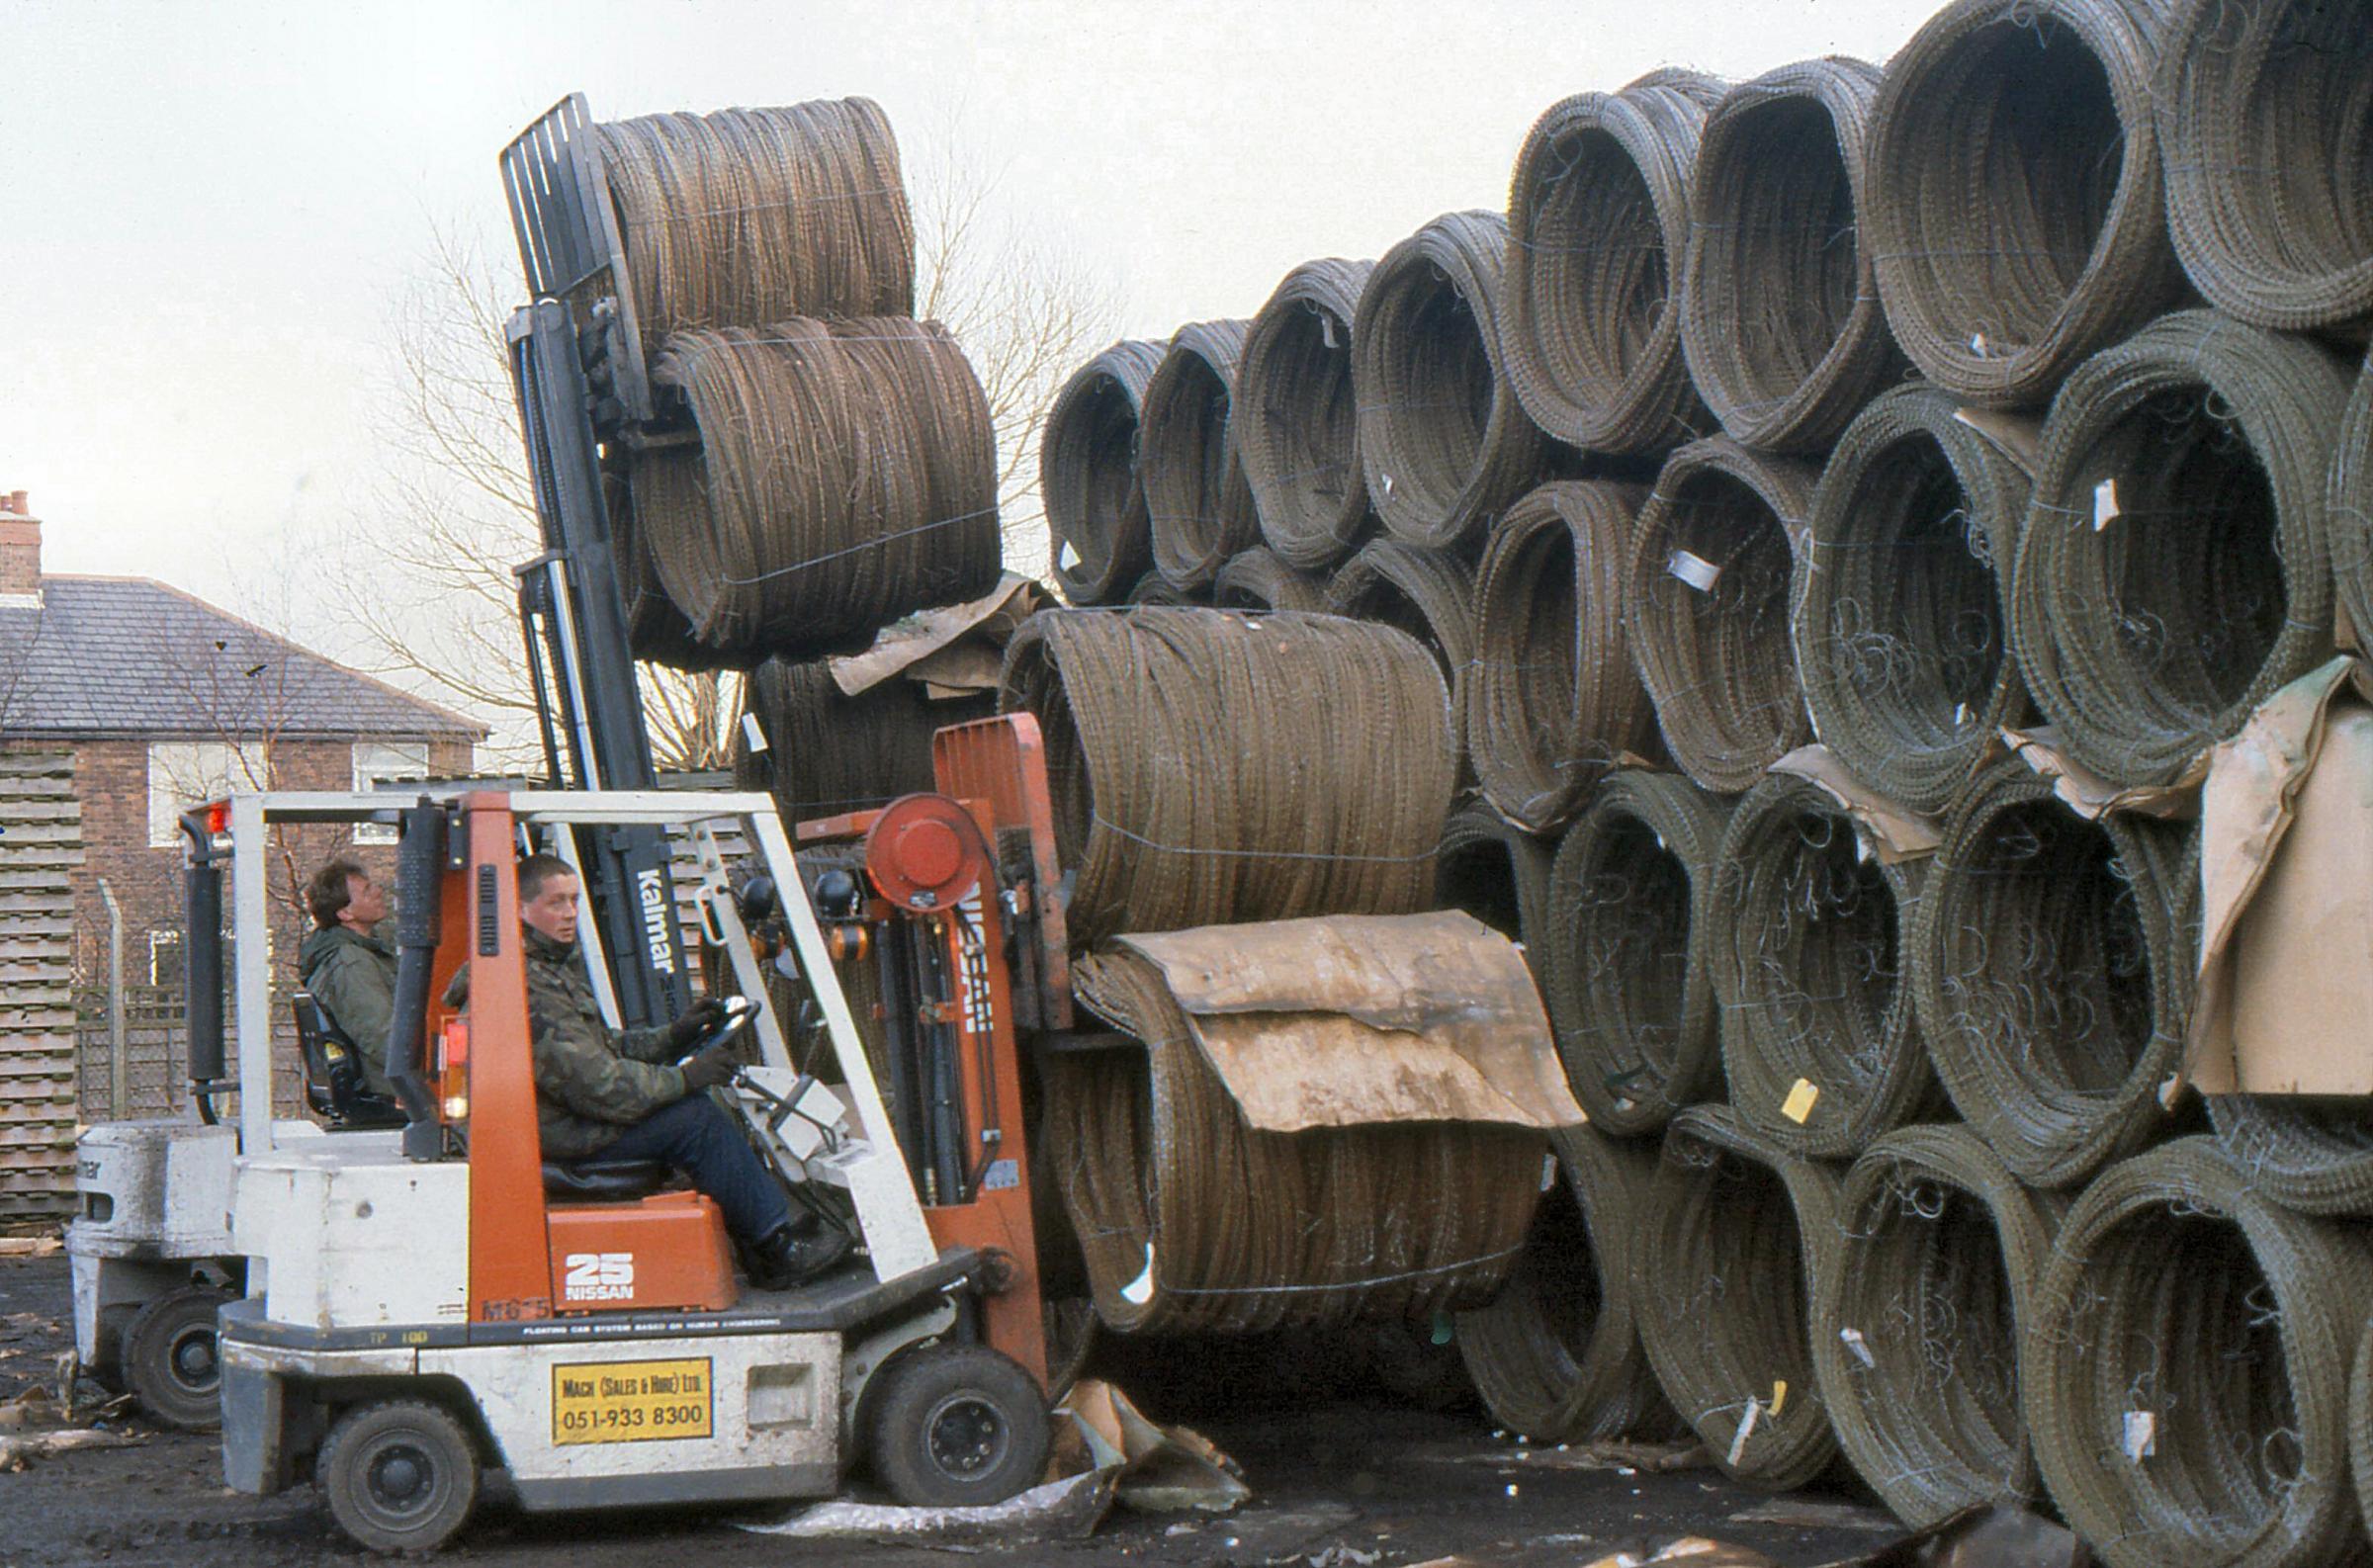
(617, 1095)
(350, 971)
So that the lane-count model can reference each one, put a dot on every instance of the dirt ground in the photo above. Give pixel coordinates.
(1335, 1478)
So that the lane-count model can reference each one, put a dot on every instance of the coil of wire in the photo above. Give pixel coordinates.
(751, 215)
(2308, 1154)
(1916, 1333)
(1192, 1221)
(1738, 1240)
(1256, 579)
(1553, 700)
(828, 752)
(1197, 499)
(1151, 589)
(848, 475)
(2351, 510)
(1495, 872)
(1708, 598)
(1191, 787)
(2267, 206)
(1598, 226)
(656, 629)
(2186, 1370)
(2015, 205)
(2175, 568)
(1442, 442)
(1903, 619)
(1556, 1355)
(1096, 516)
(2053, 962)
(1298, 415)
(1427, 593)
(1624, 951)
(1780, 318)
(1820, 1043)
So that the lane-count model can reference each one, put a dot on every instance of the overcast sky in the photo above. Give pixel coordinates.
(209, 213)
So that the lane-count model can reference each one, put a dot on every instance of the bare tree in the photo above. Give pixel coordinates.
(431, 592)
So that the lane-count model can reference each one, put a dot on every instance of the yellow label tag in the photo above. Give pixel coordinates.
(1798, 1103)
(632, 1401)
(1779, 1397)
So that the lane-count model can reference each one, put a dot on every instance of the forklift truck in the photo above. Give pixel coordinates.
(426, 1307)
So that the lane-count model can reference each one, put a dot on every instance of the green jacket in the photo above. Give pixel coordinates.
(591, 1081)
(353, 976)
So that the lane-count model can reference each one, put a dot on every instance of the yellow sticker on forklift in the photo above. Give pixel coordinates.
(632, 1401)
(1798, 1103)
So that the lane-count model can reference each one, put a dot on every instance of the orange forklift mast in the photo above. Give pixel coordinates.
(968, 944)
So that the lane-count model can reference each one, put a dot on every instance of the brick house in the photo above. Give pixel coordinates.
(164, 700)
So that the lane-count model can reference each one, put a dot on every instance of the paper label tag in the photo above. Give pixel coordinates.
(2141, 1435)
(1140, 1290)
(1548, 1172)
(1978, 344)
(1694, 570)
(1800, 1102)
(753, 735)
(1746, 1425)
(1326, 329)
(1779, 1397)
(2105, 504)
(1854, 1343)
(1069, 558)
(1388, 479)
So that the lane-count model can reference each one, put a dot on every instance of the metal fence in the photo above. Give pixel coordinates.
(155, 1077)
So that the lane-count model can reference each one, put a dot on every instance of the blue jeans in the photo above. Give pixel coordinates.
(697, 1137)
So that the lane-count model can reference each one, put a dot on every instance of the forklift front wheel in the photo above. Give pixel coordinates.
(168, 1359)
(957, 1425)
(400, 1475)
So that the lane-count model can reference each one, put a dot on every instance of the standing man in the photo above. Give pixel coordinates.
(621, 1096)
(350, 971)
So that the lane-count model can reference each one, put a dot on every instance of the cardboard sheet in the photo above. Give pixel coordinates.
(2286, 970)
(2094, 797)
(910, 641)
(1351, 1020)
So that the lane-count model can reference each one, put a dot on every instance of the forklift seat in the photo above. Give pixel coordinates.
(605, 1180)
(333, 1076)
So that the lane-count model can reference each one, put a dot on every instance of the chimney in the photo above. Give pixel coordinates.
(20, 552)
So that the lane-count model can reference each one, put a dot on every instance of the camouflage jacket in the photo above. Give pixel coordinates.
(353, 978)
(591, 1081)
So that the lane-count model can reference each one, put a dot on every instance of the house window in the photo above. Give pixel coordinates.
(164, 958)
(187, 773)
(378, 762)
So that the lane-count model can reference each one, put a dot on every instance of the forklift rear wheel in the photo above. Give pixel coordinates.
(957, 1425)
(169, 1364)
(400, 1475)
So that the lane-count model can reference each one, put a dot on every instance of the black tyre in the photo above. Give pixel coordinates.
(168, 1359)
(400, 1475)
(956, 1426)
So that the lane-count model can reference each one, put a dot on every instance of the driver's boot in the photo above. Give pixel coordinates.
(796, 1252)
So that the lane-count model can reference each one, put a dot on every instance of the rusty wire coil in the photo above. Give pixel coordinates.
(1708, 599)
(2350, 524)
(1779, 317)
(1196, 500)
(1442, 442)
(2186, 1370)
(1193, 1221)
(2015, 203)
(656, 629)
(751, 215)
(827, 752)
(2175, 569)
(1427, 593)
(2053, 962)
(1553, 700)
(1191, 785)
(2261, 113)
(1738, 1240)
(1556, 1355)
(1822, 1044)
(848, 475)
(1903, 618)
(1917, 1331)
(1495, 872)
(2305, 1153)
(1256, 579)
(1095, 517)
(1298, 415)
(1598, 226)
(1623, 954)
(1151, 589)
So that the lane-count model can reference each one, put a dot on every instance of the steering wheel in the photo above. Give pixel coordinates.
(738, 1011)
